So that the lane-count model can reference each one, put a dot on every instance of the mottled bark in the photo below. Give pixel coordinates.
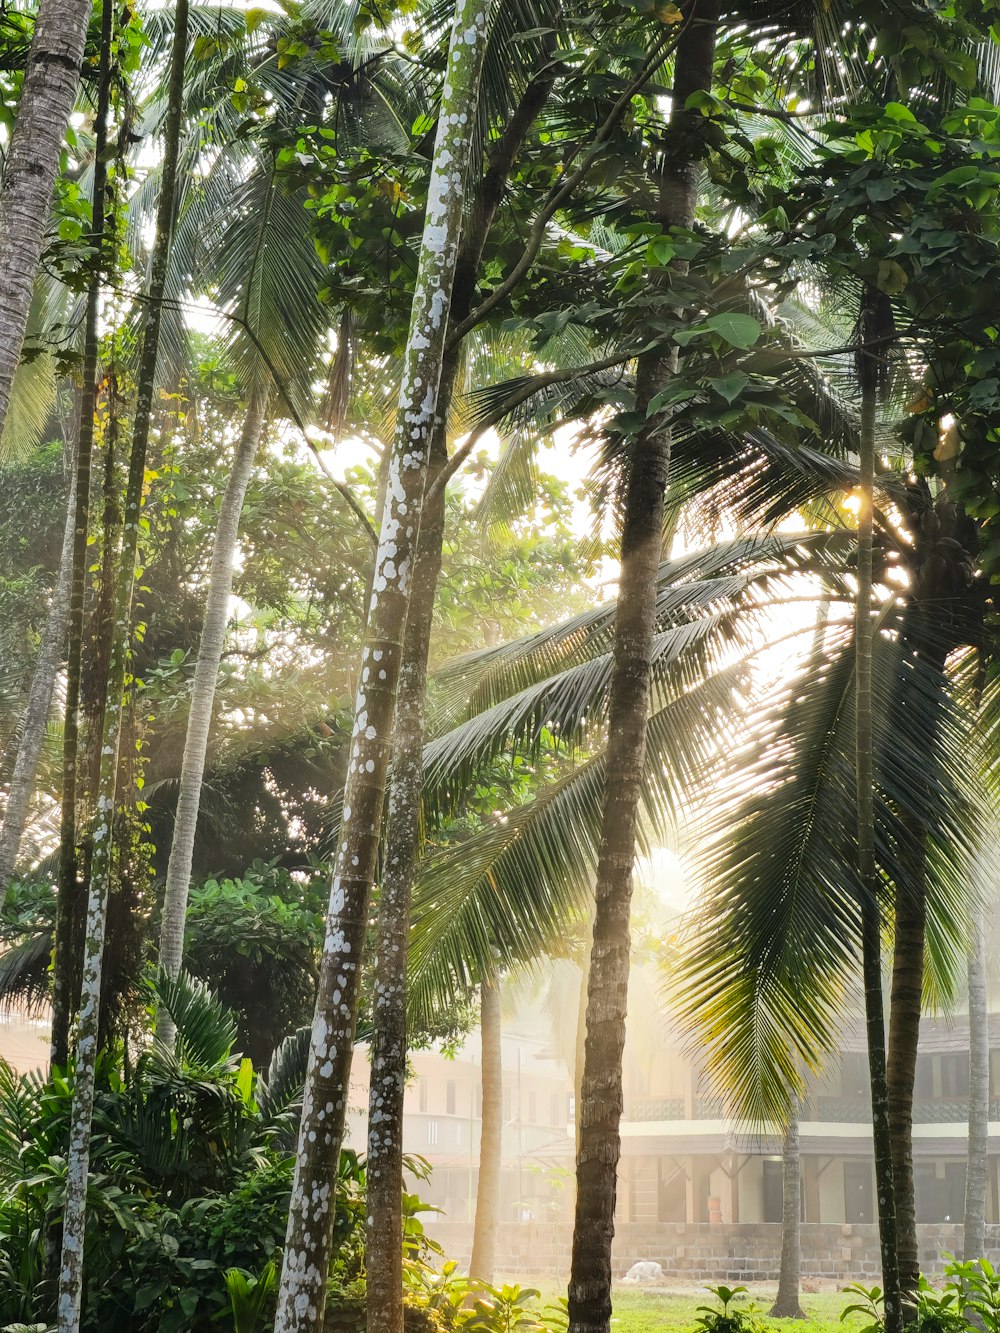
(905, 1005)
(384, 1248)
(600, 1107)
(383, 1259)
(302, 1292)
(977, 1169)
(871, 933)
(47, 96)
(787, 1304)
(70, 1298)
(482, 1264)
(64, 973)
(38, 706)
(206, 675)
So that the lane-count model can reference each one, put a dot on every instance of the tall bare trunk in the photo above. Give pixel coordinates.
(70, 1300)
(47, 96)
(383, 1259)
(384, 1248)
(905, 1005)
(977, 1169)
(482, 1265)
(36, 712)
(64, 972)
(871, 932)
(787, 1304)
(206, 675)
(600, 1106)
(302, 1292)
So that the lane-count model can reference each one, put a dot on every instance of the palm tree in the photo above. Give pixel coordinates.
(30, 166)
(977, 1168)
(213, 635)
(600, 1108)
(302, 1292)
(871, 376)
(484, 1236)
(787, 1304)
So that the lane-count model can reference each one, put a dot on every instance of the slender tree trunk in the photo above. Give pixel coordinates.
(64, 972)
(70, 1300)
(600, 1106)
(977, 1169)
(302, 1292)
(871, 933)
(901, 1067)
(47, 96)
(384, 1249)
(383, 1255)
(787, 1304)
(482, 1265)
(206, 675)
(36, 713)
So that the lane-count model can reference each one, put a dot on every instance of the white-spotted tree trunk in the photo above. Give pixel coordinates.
(36, 712)
(70, 1295)
(206, 675)
(47, 96)
(305, 1270)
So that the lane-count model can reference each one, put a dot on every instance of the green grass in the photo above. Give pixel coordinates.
(659, 1310)
(652, 1311)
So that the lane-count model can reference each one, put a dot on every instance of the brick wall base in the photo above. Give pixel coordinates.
(696, 1252)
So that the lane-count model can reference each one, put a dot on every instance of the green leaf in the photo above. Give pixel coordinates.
(730, 386)
(739, 330)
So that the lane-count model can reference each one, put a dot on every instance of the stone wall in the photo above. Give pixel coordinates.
(695, 1253)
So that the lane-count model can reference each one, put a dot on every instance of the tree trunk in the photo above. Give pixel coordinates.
(47, 96)
(484, 1239)
(36, 713)
(384, 1249)
(206, 675)
(871, 932)
(302, 1292)
(787, 1304)
(74, 1209)
(600, 1106)
(979, 1095)
(64, 971)
(901, 1067)
(383, 1255)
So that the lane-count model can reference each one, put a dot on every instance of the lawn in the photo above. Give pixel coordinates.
(653, 1311)
(671, 1310)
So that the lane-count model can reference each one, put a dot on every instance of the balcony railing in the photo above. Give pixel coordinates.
(837, 1110)
(656, 1108)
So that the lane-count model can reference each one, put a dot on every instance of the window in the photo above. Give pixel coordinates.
(554, 1110)
(506, 1103)
(422, 1094)
(458, 1133)
(570, 1108)
(478, 1101)
(955, 1075)
(532, 1107)
(432, 1131)
(450, 1097)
